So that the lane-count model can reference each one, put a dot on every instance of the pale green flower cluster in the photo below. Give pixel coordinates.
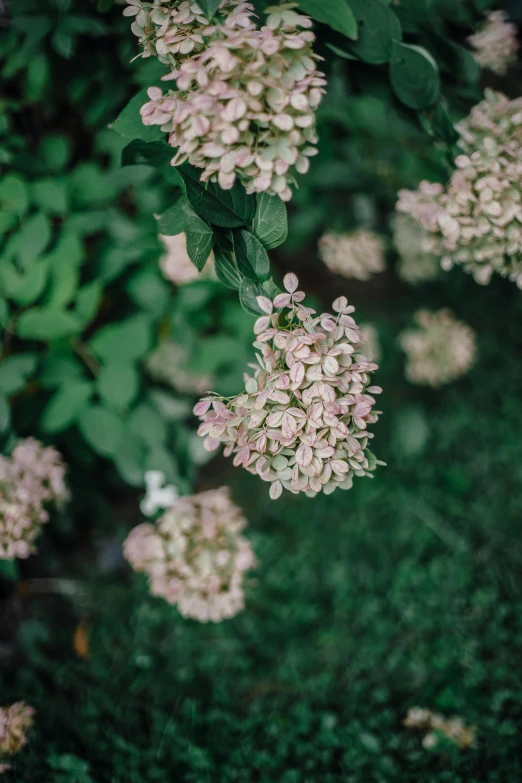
(417, 249)
(359, 254)
(195, 556)
(495, 43)
(439, 349)
(301, 422)
(476, 219)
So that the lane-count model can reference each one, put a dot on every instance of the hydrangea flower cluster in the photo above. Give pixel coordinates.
(15, 722)
(168, 363)
(417, 249)
(477, 218)
(245, 105)
(439, 350)
(301, 422)
(495, 43)
(176, 265)
(195, 556)
(359, 254)
(172, 31)
(30, 478)
(436, 726)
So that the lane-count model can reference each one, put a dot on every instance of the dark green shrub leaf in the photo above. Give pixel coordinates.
(65, 405)
(270, 221)
(129, 123)
(102, 429)
(148, 153)
(251, 256)
(442, 125)
(130, 459)
(31, 240)
(50, 195)
(209, 7)
(379, 30)
(247, 296)
(226, 269)
(172, 221)
(42, 323)
(200, 238)
(337, 14)
(414, 76)
(13, 194)
(87, 302)
(128, 340)
(26, 286)
(148, 425)
(15, 371)
(5, 414)
(118, 384)
(227, 208)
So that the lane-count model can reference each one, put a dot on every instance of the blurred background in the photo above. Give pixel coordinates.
(403, 592)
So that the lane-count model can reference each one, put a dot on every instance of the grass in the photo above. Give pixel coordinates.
(405, 591)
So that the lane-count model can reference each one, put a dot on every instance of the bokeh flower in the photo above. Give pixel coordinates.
(169, 363)
(370, 343)
(437, 727)
(15, 721)
(30, 479)
(176, 265)
(245, 106)
(418, 250)
(359, 254)
(495, 43)
(195, 556)
(301, 422)
(439, 349)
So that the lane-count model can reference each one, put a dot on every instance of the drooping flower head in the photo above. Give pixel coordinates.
(15, 722)
(359, 254)
(495, 43)
(301, 422)
(439, 349)
(195, 556)
(30, 479)
(245, 106)
(477, 218)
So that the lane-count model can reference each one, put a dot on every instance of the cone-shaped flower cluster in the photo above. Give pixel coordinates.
(439, 349)
(301, 423)
(417, 249)
(245, 105)
(495, 43)
(477, 218)
(359, 254)
(31, 478)
(195, 556)
(15, 722)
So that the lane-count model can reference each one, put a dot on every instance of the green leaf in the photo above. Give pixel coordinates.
(130, 460)
(64, 280)
(31, 240)
(200, 238)
(129, 123)
(59, 369)
(149, 290)
(227, 208)
(102, 429)
(226, 268)
(148, 425)
(5, 415)
(247, 296)
(15, 372)
(13, 194)
(442, 124)
(25, 286)
(87, 302)
(251, 256)
(65, 405)
(270, 220)
(157, 154)
(55, 152)
(129, 339)
(414, 76)
(50, 195)
(44, 324)
(172, 221)
(337, 14)
(160, 459)
(379, 30)
(118, 384)
(209, 7)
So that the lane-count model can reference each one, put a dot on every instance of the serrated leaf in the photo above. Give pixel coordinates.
(337, 14)
(118, 384)
(379, 31)
(65, 405)
(129, 123)
(414, 76)
(102, 429)
(44, 324)
(200, 238)
(251, 256)
(270, 220)
(226, 208)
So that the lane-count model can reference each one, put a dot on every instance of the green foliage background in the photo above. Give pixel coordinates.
(404, 591)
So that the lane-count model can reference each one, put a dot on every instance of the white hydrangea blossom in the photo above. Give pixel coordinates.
(157, 496)
(495, 43)
(436, 726)
(195, 556)
(301, 423)
(245, 105)
(417, 249)
(477, 218)
(439, 349)
(359, 254)
(176, 265)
